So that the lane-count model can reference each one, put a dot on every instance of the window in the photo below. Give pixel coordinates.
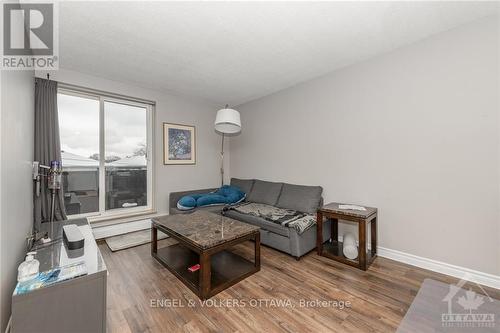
(106, 154)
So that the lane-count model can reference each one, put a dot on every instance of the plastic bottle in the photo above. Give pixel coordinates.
(54, 178)
(28, 268)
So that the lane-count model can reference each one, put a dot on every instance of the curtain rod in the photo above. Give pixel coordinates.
(82, 89)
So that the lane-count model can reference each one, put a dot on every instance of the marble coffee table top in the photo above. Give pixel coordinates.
(204, 229)
(334, 208)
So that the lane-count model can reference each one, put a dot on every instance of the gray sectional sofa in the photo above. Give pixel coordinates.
(301, 198)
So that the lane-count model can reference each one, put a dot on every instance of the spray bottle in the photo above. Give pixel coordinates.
(28, 268)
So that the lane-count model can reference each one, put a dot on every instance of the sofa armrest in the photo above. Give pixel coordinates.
(174, 197)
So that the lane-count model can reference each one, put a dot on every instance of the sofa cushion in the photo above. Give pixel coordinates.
(302, 198)
(213, 209)
(260, 222)
(243, 184)
(265, 192)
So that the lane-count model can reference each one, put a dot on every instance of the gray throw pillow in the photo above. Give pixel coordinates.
(243, 184)
(265, 192)
(302, 198)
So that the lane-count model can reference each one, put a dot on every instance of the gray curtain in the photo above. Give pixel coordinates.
(47, 147)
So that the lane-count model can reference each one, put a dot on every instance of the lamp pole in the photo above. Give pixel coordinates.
(227, 121)
(222, 162)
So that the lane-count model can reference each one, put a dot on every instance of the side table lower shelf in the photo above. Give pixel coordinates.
(333, 250)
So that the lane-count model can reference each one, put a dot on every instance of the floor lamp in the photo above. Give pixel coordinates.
(227, 121)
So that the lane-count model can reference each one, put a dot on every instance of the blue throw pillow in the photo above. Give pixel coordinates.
(186, 203)
(232, 193)
(211, 199)
(225, 195)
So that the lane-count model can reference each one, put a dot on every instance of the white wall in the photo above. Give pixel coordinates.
(413, 132)
(172, 109)
(16, 150)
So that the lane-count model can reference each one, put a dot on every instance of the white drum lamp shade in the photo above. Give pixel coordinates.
(228, 121)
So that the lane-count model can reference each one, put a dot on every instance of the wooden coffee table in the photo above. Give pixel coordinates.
(205, 238)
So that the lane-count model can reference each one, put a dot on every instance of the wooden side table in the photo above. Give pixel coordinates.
(333, 249)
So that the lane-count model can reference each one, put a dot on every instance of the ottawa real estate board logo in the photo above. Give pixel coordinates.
(478, 311)
(29, 36)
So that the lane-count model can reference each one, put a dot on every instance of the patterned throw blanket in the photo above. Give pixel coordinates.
(285, 217)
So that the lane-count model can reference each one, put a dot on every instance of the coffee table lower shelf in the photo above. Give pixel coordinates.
(227, 268)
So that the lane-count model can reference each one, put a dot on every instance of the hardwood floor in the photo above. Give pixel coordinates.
(378, 298)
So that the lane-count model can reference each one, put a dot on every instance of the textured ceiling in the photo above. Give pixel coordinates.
(235, 52)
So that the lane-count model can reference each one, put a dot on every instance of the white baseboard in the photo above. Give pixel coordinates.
(120, 228)
(486, 279)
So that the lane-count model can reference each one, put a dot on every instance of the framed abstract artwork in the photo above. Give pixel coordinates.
(179, 144)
